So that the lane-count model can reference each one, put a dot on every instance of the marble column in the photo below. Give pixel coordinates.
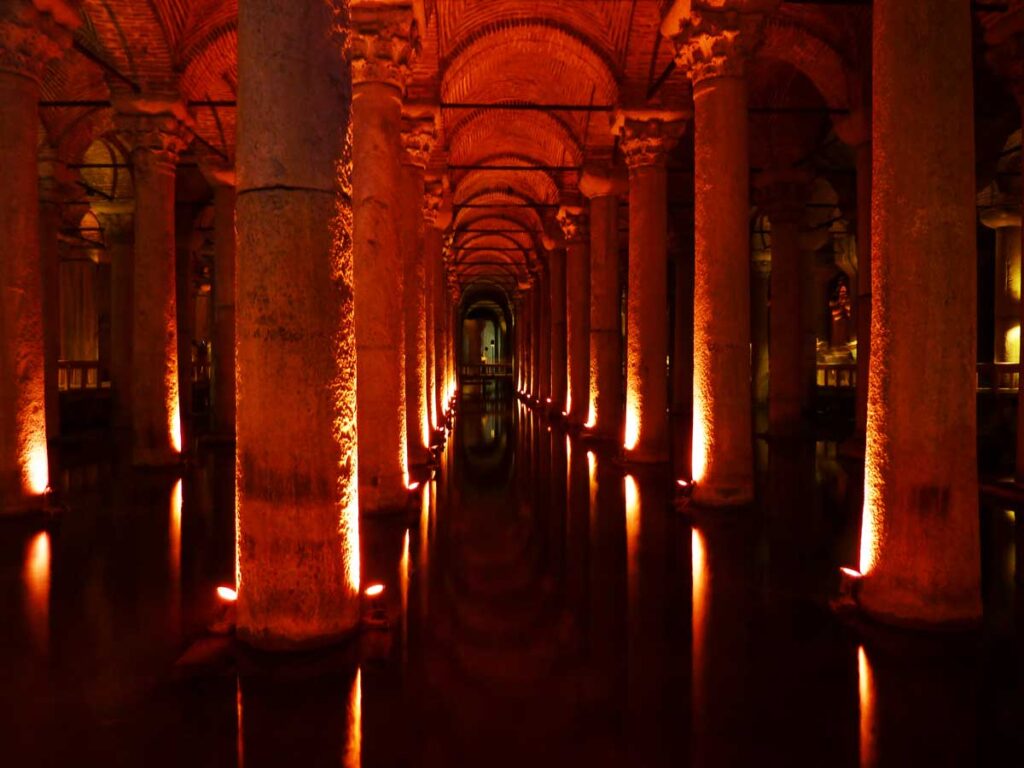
(544, 337)
(437, 219)
(118, 222)
(223, 181)
(53, 177)
(920, 548)
(573, 220)
(604, 417)
(297, 508)
(1006, 223)
(381, 47)
(781, 196)
(536, 329)
(419, 134)
(154, 132)
(556, 322)
(862, 157)
(440, 337)
(645, 140)
(26, 49)
(682, 324)
(713, 53)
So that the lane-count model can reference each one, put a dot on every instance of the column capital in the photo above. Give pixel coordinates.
(1000, 217)
(602, 180)
(437, 210)
(154, 131)
(218, 172)
(419, 135)
(647, 136)
(34, 33)
(382, 43)
(781, 193)
(715, 43)
(574, 223)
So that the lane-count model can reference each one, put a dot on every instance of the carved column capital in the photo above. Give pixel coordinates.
(154, 131)
(574, 223)
(419, 136)
(715, 43)
(646, 137)
(34, 33)
(382, 43)
(437, 210)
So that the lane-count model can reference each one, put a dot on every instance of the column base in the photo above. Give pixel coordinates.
(387, 498)
(720, 495)
(641, 457)
(161, 458)
(883, 604)
(266, 640)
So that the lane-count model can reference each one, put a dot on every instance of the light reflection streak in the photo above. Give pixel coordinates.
(37, 589)
(403, 575)
(700, 612)
(866, 690)
(353, 756)
(429, 494)
(174, 535)
(239, 741)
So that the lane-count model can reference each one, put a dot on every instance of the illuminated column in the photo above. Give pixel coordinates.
(297, 509)
(573, 221)
(419, 134)
(440, 336)
(223, 182)
(1006, 223)
(682, 321)
(381, 48)
(118, 222)
(52, 178)
(712, 52)
(536, 328)
(645, 139)
(782, 198)
(26, 49)
(556, 322)
(437, 220)
(604, 418)
(543, 336)
(154, 132)
(920, 546)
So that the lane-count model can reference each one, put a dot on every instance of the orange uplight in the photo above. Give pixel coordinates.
(866, 691)
(699, 443)
(353, 757)
(870, 522)
(374, 590)
(683, 483)
(175, 426)
(36, 478)
(699, 595)
(632, 435)
(227, 594)
(850, 572)
(413, 486)
(37, 588)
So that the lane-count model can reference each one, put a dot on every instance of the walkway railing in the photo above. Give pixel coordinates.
(998, 377)
(837, 377)
(76, 375)
(486, 371)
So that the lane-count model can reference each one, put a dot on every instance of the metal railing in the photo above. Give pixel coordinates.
(78, 375)
(486, 371)
(998, 377)
(837, 377)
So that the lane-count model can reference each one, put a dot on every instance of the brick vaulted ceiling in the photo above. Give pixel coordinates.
(810, 69)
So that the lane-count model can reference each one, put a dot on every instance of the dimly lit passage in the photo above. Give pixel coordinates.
(511, 382)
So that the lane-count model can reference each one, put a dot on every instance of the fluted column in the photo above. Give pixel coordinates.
(31, 36)
(604, 416)
(645, 139)
(222, 180)
(298, 506)
(154, 132)
(381, 47)
(781, 196)
(573, 220)
(920, 548)
(712, 51)
(419, 133)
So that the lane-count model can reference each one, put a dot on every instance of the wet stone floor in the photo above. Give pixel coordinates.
(543, 606)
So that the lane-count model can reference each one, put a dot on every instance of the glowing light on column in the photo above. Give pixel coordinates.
(36, 578)
(36, 469)
(1011, 343)
(866, 690)
(632, 493)
(171, 387)
(871, 518)
(350, 535)
(354, 722)
(632, 423)
(699, 443)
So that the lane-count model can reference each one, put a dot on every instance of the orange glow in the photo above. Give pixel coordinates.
(227, 594)
(592, 476)
(866, 689)
(354, 721)
(699, 441)
(175, 426)
(239, 746)
(568, 403)
(421, 564)
(413, 486)
(403, 574)
(632, 425)
(632, 516)
(374, 590)
(174, 533)
(36, 479)
(36, 578)
(870, 520)
(699, 597)
(851, 573)
(683, 483)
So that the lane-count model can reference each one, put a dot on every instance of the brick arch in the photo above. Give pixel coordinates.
(542, 135)
(822, 64)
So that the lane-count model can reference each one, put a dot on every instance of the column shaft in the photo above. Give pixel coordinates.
(785, 384)
(862, 155)
(414, 317)
(920, 545)
(544, 339)
(224, 310)
(559, 362)
(605, 416)
(297, 507)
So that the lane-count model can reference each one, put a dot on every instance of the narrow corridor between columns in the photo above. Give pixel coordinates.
(539, 604)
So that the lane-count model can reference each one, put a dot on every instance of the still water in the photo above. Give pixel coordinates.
(544, 606)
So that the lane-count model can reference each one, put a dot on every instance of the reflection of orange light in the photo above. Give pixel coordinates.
(374, 590)
(227, 594)
(354, 721)
(850, 572)
(700, 606)
(632, 506)
(175, 530)
(37, 471)
(632, 426)
(37, 588)
(866, 689)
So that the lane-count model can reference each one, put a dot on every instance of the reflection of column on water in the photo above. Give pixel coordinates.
(174, 558)
(36, 579)
(866, 697)
(577, 551)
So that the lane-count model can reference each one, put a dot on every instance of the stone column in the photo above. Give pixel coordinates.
(440, 337)
(682, 322)
(1006, 223)
(419, 134)
(437, 220)
(536, 329)
(153, 131)
(31, 36)
(297, 507)
(381, 48)
(782, 195)
(645, 140)
(224, 247)
(544, 337)
(118, 222)
(713, 53)
(862, 158)
(920, 546)
(604, 417)
(52, 178)
(573, 220)
(557, 336)
(760, 287)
